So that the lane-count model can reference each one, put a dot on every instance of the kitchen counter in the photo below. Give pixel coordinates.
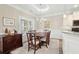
(70, 42)
(71, 32)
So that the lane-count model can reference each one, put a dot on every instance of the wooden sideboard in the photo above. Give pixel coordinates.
(10, 42)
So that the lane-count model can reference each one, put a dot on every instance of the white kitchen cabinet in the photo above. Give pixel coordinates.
(70, 43)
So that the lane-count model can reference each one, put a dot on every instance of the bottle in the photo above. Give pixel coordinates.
(6, 30)
(9, 33)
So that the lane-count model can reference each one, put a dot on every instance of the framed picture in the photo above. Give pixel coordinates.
(8, 21)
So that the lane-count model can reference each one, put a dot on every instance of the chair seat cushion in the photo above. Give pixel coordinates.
(37, 42)
(43, 39)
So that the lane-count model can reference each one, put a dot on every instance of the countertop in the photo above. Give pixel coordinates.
(71, 32)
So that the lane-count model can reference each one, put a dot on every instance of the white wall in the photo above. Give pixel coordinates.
(55, 27)
(21, 21)
(10, 12)
(68, 20)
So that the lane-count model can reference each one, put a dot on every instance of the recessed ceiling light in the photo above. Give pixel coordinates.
(64, 16)
(75, 6)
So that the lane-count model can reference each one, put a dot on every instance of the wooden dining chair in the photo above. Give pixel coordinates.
(32, 31)
(33, 42)
(46, 40)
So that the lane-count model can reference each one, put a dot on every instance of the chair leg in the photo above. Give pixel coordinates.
(46, 44)
(28, 47)
(40, 45)
(34, 49)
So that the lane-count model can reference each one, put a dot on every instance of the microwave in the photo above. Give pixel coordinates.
(75, 26)
(75, 22)
(75, 29)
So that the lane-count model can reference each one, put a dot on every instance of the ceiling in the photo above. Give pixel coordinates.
(45, 10)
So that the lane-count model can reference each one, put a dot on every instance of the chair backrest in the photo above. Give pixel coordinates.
(31, 37)
(48, 36)
(32, 31)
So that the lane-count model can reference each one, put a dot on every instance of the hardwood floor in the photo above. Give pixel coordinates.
(55, 47)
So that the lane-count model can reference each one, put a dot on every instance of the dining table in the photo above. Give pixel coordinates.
(39, 34)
